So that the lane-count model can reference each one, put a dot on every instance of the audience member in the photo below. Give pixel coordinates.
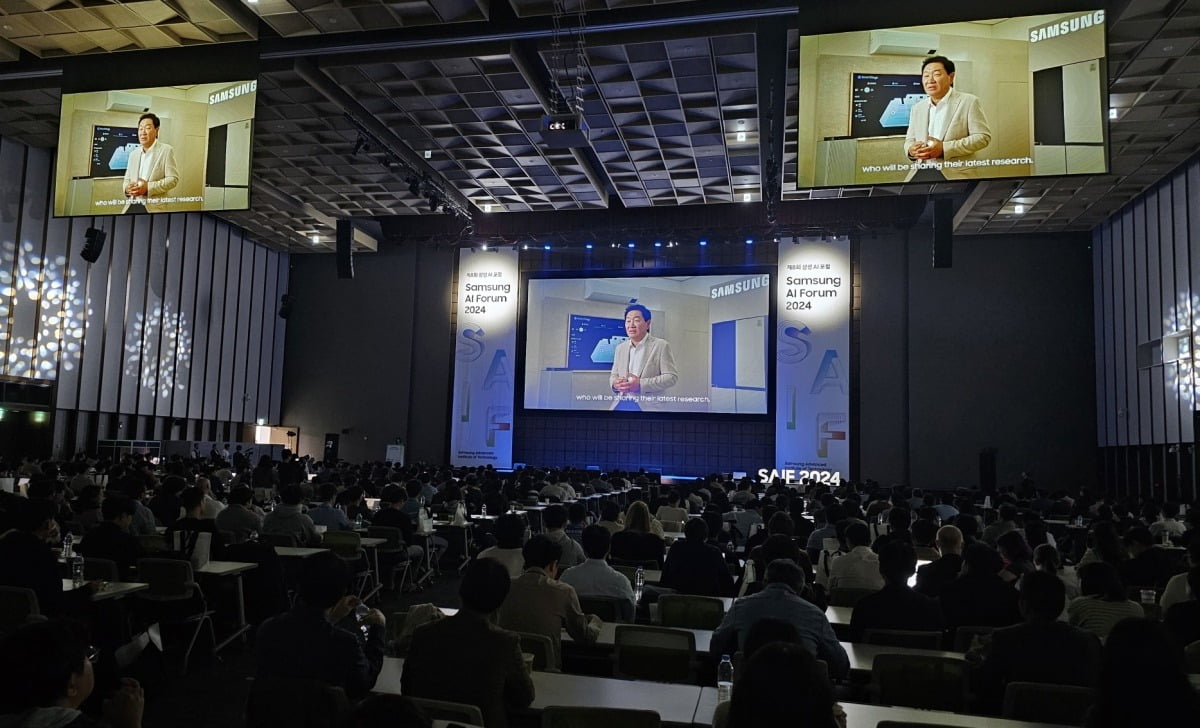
(637, 541)
(936, 574)
(610, 516)
(241, 518)
(554, 520)
(1147, 566)
(1006, 522)
(1046, 559)
(1017, 556)
(287, 519)
(896, 605)
(46, 675)
(111, 539)
(326, 513)
(211, 506)
(1102, 601)
(510, 537)
(695, 566)
(672, 511)
(494, 678)
(1183, 618)
(780, 599)
(782, 685)
(595, 578)
(859, 567)
(307, 642)
(1177, 587)
(979, 596)
(1143, 681)
(26, 558)
(1041, 649)
(540, 604)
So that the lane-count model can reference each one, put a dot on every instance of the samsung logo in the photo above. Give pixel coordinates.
(233, 92)
(743, 286)
(1066, 27)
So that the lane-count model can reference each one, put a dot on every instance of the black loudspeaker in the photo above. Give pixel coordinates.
(987, 470)
(93, 244)
(285, 305)
(943, 233)
(345, 251)
(332, 440)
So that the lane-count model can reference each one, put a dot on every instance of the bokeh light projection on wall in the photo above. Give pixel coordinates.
(1179, 347)
(54, 290)
(162, 365)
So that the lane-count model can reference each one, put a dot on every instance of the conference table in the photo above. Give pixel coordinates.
(297, 552)
(109, 589)
(861, 715)
(234, 570)
(675, 703)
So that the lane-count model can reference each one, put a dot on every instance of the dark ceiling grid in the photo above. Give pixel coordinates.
(663, 117)
(479, 120)
(294, 18)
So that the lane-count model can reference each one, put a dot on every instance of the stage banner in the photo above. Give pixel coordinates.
(812, 373)
(481, 433)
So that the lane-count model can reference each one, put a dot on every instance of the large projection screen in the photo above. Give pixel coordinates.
(1028, 100)
(716, 327)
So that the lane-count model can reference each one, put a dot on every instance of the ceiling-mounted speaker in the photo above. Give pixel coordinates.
(345, 249)
(93, 244)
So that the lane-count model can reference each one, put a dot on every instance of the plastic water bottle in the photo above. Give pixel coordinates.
(725, 679)
(68, 549)
(358, 521)
(77, 571)
(639, 581)
(483, 510)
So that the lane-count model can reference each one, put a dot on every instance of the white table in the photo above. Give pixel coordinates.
(859, 715)
(608, 636)
(676, 704)
(839, 616)
(235, 569)
(373, 543)
(297, 552)
(110, 589)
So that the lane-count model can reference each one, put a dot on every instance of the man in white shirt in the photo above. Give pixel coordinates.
(859, 567)
(210, 506)
(554, 519)
(945, 130)
(642, 364)
(595, 578)
(151, 172)
(1169, 523)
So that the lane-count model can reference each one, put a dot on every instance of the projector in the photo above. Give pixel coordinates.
(564, 131)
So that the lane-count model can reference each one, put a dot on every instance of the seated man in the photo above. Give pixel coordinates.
(287, 518)
(307, 642)
(391, 515)
(1040, 649)
(781, 599)
(494, 677)
(936, 574)
(510, 537)
(672, 511)
(110, 539)
(695, 566)
(541, 604)
(27, 561)
(896, 606)
(242, 517)
(595, 578)
(183, 535)
(46, 675)
(1148, 566)
(859, 567)
(326, 513)
(980, 597)
(554, 518)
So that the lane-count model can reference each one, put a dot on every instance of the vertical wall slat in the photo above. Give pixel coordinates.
(216, 321)
(138, 321)
(254, 334)
(114, 321)
(205, 232)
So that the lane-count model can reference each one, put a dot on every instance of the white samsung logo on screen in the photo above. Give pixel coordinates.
(233, 92)
(1065, 27)
(742, 286)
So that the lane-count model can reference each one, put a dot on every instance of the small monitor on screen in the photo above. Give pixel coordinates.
(111, 147)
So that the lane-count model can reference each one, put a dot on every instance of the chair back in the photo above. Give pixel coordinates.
(965, 637)
(18, 606)
(281, 702)
(1045, 703)
(169, 579)
(1191, 655)
(909, 724)
(561, 716)
(609, 609)
(542, 648)
(450, 712)
(346, 544)
(152, 543)
(920, 639)
(721, 715)
(629, 572)
(919, 681)
(654, 653)
(688, 611)
(848, 596)
(395, 538)
(100, 570)
(672, 526)
(278, 539)
(927, 553)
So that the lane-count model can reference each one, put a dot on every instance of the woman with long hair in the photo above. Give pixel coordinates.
(1102, 603)
(638, 542)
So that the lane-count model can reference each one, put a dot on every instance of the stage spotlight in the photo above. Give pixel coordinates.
(546, 246)
(93, 244)
(749, 241)
(631, 244)
(703, 243)
(658, 243)
(588, 246)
